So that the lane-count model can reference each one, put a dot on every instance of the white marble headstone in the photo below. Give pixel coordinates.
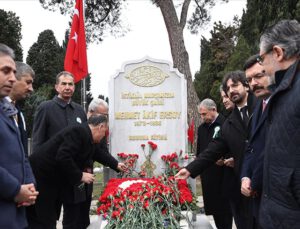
(148, 102)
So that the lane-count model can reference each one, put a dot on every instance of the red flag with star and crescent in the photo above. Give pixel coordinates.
(76, 59)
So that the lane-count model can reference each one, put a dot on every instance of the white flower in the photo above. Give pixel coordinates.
(126, 184)
(216, 131)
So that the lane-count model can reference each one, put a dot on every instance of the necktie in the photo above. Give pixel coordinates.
(16, 115)
(245, 115)
(264, 104)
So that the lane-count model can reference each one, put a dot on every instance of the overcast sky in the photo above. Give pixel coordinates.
(147, 35)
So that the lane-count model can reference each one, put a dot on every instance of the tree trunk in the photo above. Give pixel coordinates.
(179, 53)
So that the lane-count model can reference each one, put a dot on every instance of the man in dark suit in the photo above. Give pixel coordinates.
(252, 170)
(21, 90)
(16, 178)
(215, 203)
(59, 166)
(232, 140)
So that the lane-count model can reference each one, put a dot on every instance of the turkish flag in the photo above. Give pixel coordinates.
(75, 59)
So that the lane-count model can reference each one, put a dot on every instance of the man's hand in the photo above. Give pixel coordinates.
(27, 195)
(229, 162)
(182, 174)
(246, 186)
(220, 162)
(122, 167)
(87, 178)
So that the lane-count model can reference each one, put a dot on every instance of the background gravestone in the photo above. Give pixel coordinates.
(148, 102)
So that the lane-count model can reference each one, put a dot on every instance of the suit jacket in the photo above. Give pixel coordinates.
(253, 161)
(14, 171)
(254, 155)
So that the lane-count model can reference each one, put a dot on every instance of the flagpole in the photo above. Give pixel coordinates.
(83, 82)
(76, 57)
(83, 95)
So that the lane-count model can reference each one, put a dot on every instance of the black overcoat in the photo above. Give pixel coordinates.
(232, 142)
(212, 178)
(280, 204)
(58, 165)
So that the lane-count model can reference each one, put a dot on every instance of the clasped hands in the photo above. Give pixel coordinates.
(26, 196)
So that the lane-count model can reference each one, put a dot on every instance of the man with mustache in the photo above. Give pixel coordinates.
(252, 170)
(231, 141)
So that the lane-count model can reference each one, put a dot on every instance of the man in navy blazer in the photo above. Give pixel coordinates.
(16, 178)
(252, 169)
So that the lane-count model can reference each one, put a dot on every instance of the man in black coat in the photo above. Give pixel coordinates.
(54, 115)
(101, 155)
(252, 169)
(215, 203)
(58, 166)
(232, 140)
(279, 56)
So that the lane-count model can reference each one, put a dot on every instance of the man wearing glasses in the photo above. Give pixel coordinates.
(279, 56)
(252, 169)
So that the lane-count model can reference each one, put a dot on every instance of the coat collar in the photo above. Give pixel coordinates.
(88, 129)
(284, 78)
(218, 122)
(62, 103)
(251, 102)
(8, 121)
(235, 116)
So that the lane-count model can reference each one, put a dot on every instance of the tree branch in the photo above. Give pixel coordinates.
(184, 12)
